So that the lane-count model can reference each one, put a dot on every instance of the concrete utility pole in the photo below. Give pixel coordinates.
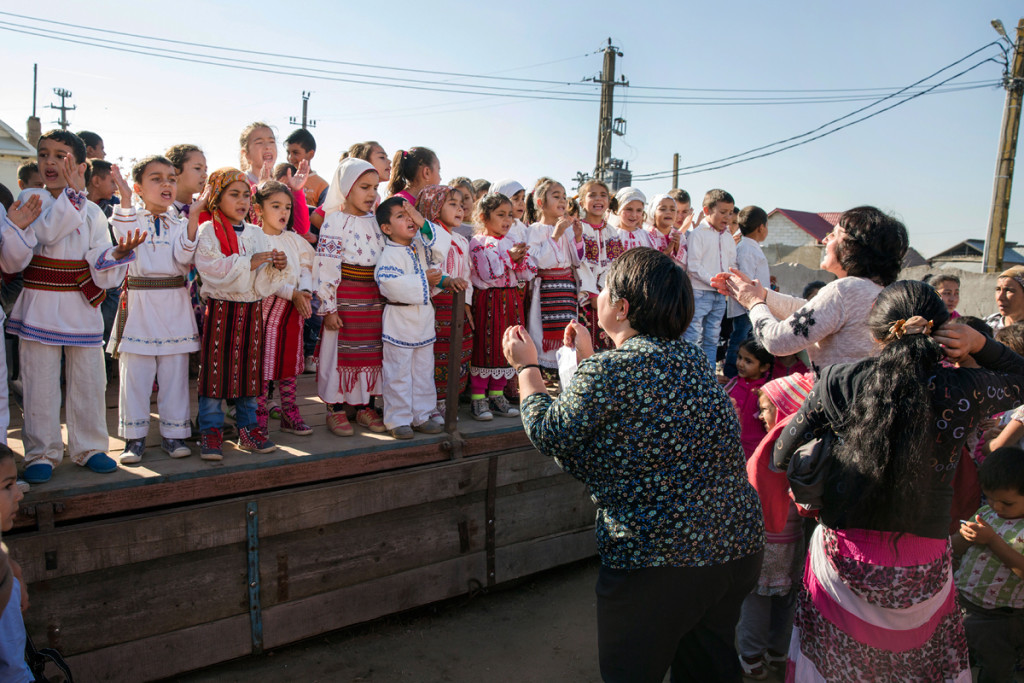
(64, 109)
(675, 171)
(995, 241)
(33, 128)
(606, 125)
(306, 123)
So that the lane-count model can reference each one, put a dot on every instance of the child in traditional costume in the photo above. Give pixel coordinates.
(629, 204)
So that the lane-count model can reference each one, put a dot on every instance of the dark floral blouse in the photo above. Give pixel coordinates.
(652, 434)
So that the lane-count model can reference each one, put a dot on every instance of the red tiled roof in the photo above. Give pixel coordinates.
(814, 224)
(832, 217)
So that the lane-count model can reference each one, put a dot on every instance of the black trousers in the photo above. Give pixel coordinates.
(683, 618)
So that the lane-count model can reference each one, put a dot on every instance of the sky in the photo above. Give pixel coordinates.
(930, 160)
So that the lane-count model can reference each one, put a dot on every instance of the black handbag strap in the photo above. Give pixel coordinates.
(38, 659)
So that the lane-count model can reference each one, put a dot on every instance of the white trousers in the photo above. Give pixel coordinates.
(85, 408)
(409, 392)
(137, 375)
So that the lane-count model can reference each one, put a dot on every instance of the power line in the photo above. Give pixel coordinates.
(817, 137)
(841, 118)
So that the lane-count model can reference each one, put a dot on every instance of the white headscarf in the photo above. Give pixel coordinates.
(345, 176)
(507, 187)
(652, 207)
(626, 195)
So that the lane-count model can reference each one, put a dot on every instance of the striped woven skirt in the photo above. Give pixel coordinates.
(494, 309)
(588, 317)
(874, 607)
(354, 355)
(443, 346)
(282, 340)
(558, 305)
(231, 354)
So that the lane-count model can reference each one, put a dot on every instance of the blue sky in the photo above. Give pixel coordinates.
(931, 160)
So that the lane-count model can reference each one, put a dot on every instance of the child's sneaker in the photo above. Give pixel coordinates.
(274, 408)
(337, 422)
(101, 463)
(38, 473)
(480, 409)
(292, 422)
(753, 668)
(211, 445)
(775, 662)
(501, 408)
(255, 440)
(402, 432)
(133, 450)
(310, 365)
(176, 448)
(439, 412)
(368, 417)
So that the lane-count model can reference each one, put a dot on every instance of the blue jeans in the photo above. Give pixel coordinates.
(741, 328)
(311, 328)
(708, 311)
(212, 417)
(766, 622)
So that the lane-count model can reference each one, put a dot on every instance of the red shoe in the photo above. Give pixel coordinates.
(292, 422)
(338, 423)
(255, 440)
(368, 417)
(211, 445)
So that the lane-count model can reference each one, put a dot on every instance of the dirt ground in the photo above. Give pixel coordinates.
(540, 629)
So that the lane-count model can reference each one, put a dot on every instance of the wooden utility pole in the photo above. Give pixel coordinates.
(306, 123)
(995, 242)
(675, 171)
(605, 124)
(64, 109)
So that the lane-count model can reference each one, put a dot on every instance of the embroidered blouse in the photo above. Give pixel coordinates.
(230, 278)
(601, 246)
(635, 238)
(493, 267)
(401, 275)
(652, 434)
(661, 243)
(344, 238)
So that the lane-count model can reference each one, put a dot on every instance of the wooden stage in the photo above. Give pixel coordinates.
(173, 565)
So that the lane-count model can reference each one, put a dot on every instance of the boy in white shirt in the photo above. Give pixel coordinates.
(407, 273)
(710, 249)
(750, 258)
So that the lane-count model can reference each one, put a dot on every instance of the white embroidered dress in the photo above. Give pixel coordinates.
(344, 238)
(230, 278)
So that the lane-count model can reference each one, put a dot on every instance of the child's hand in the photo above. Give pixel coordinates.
(577, 229)
(433, 276)
(259, 258)
(303, 303)
(417, 217)
(561, 225)
(279, 259)
(977, 531)
(517, 252)
(577, 336)
(23, 213)
(266, 172)
(298, 181)
(123, 188)
(201, 203)
(73, 173)
(673, 241)
(126, 245)
(332, 322)
(455, 284)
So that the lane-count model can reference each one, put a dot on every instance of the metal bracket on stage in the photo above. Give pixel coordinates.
(252, 527)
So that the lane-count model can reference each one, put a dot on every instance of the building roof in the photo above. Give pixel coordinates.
(13, 144)
(974, 250)
(814, 224)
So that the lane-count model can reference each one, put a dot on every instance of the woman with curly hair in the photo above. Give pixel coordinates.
(865, 252)
(878, 600)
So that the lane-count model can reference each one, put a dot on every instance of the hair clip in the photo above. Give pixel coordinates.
(915, 325)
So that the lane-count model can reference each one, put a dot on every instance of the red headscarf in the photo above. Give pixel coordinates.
(431, 201)
(219, 181)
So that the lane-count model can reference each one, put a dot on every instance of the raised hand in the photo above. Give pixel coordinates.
(577, 336)
(561, 225)
(23, 213)
(201, 203)
(266, 171)
(301, 176)
(123, 188)
(958, 341)
(127, 244)
(518, 347)
(417, 217)
(73, 173)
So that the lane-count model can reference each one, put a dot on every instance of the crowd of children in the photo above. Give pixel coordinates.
(267, 271)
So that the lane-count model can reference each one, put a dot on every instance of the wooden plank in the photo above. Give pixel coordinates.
(298, 619)
(166, 654)
(325, 558)
(525, 464)
(541, 508)
(99, 609)
(93, 546)
(325, 504)
(537, 554)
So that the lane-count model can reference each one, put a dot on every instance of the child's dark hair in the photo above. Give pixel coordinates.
(140, 167)
(812, 287)
(976, 324)
(245, 137)
(1003, 469)
(281, 170)
(884, 451)
(97, 168)
(267, 189)
(26, 170)
(405, 166)
(6, 197)
(66, 138)
(535, 200)
(751, 346)
(481, 185)
(681, 196)
(487, 205)
(1012, 336)
(937, 280)
(178, 155)
(303, 138)
(90, 139)
(386, 208)
(362, 150)
(751, 218)
(713, 197)
(873, 246)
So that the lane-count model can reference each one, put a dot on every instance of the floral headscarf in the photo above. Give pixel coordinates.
(219, 181)
(431, 200)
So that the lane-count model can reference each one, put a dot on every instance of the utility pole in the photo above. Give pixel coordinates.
(64, 109)
(995, 241)
(33, 128)
(306, 123)
(675, 171)
(606, 126)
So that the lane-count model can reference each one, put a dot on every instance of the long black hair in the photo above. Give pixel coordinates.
(884, 447)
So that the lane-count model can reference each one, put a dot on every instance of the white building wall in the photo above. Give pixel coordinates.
(781, 230)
